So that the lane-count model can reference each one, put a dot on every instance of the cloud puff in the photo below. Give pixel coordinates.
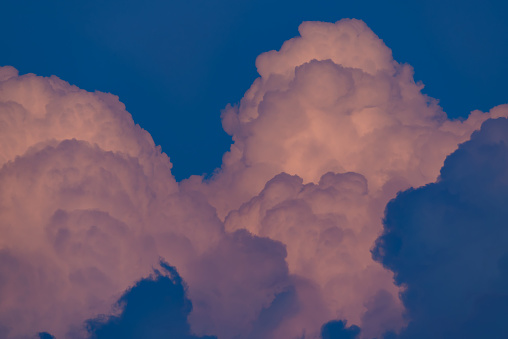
(36, 111)
(349, 127)
(89, 206)
(334, 100)
(446, 243)
(71, 238)
(234, 282)
(328, 229)
(273, 246)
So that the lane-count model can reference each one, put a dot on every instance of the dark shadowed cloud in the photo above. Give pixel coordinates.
(156, 307)
(447, 243)
(337, 330)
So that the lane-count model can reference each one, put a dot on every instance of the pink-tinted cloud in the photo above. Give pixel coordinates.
(88, 207)
(335, 100)
(332, 101)
(274, 246)
(328, 228)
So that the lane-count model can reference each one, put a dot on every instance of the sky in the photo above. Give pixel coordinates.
(252, 170)
(176, 64)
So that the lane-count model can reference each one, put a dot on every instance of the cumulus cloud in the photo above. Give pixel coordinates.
(89, 206)
(446, 243)
(349, 127)
(276, 244)
(234, 282)
(73, 211)
(36, 111)
(327, 228)
(334, 100)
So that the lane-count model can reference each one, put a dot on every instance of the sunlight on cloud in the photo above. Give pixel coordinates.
(275, 245)
(332, 101)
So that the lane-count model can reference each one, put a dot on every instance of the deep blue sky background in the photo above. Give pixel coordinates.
(176, 64)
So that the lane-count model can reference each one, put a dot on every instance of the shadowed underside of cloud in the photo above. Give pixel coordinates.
(447, 243)
(337, 330)
(278, 242)
(156, 307)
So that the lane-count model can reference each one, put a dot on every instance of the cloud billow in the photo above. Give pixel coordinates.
(89, 206)
(323, 140)
(277, 243)
(446, 243)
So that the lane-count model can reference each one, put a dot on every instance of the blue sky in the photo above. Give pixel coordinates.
(176, 64)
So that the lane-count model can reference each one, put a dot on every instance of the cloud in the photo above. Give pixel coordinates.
(89, 206)
(156, 307)
(45, 335)
(337, 330)
(328, 231)
(274, 245)
(334, 100)
(70, 235)
(323, 140)
(446, 243)
(235, 282)
(36, 111)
